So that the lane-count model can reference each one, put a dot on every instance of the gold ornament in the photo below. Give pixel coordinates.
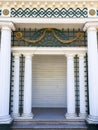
(6, 12)
(92, 12)
(19, 35)
(79, 35)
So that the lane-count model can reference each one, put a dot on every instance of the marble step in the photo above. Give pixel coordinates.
(45, 125)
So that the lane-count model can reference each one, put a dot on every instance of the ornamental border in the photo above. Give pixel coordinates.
(49, 13)
(45, 13)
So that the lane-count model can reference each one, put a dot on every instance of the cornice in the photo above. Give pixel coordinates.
(48, 4)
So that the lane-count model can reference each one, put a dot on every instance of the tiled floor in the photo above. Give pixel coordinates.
(49, 113)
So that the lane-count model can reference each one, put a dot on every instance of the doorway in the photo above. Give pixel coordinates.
(49, 93)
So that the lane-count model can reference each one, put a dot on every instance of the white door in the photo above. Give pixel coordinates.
(49, 81)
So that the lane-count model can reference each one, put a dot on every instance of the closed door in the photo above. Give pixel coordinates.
(49, 81)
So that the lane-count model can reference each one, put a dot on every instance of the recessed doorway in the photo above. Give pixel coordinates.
(49, 81)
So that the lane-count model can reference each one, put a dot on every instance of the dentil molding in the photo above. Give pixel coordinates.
(48, 3)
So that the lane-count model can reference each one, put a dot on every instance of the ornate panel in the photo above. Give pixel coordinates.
(49, 38)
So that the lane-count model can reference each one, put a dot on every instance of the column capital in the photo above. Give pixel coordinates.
(28, 55)
(70, 55)
(81, 55)
(7, 25)
(90, 26)
(16, 55)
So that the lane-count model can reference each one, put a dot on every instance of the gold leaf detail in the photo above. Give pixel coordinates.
(5, 11)
(19, 35)
(79, 35)
(92, 12)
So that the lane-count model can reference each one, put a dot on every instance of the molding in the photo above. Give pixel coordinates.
(48, 3)
(49, 50)
(39, 23)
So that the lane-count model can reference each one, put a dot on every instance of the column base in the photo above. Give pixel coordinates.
(82, 115)
(15, 115)
(92, 119)
(27, 116)
(71, 116)
(5, 119)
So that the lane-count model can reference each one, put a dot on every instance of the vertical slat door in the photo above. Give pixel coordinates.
(49, 81)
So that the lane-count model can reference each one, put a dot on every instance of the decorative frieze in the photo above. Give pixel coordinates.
(48, 9)
(49, 13)
(79, 36)
(49, 37)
